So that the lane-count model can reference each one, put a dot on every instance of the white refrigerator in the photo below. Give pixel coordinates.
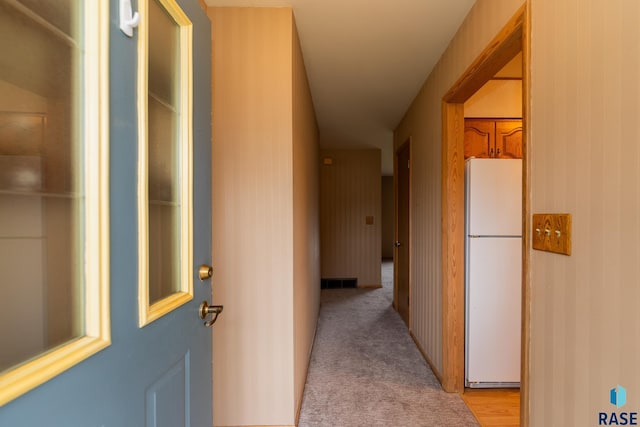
(493, 272)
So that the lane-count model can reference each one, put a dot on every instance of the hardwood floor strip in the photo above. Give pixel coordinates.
(495, 407)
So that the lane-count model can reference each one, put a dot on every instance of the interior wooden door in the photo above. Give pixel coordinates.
(401, 264)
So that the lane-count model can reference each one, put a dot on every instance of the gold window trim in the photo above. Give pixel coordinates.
(150, 312)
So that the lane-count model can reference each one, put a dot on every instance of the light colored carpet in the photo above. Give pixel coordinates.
(365, 369)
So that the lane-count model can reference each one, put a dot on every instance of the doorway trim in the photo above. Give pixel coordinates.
(512, 39)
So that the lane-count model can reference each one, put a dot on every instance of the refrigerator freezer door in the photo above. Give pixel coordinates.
(494, 197)
(493, 310)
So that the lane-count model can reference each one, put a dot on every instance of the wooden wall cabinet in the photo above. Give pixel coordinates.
(493, 138)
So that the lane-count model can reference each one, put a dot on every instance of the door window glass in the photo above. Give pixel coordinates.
(53, 258)
(165, 160)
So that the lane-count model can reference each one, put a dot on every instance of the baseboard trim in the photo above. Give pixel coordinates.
(426, 358)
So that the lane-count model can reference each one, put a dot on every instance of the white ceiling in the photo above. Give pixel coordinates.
(366, 61)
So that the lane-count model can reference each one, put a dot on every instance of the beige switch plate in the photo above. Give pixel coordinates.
(552, 233)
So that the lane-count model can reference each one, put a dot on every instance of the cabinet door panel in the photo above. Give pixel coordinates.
(478, 138)
(509, 139)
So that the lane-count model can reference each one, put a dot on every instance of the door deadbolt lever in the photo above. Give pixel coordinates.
(206, 309)
(205, 272)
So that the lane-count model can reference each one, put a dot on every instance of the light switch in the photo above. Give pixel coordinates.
(369, 220)
(552, 233)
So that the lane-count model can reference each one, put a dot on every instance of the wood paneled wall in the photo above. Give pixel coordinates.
(585, 160)
(264, 199)
(350, 191)
(423, 123)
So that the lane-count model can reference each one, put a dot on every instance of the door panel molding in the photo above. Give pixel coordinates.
(167, 400)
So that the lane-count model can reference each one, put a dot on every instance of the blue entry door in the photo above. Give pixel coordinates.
(59, 229)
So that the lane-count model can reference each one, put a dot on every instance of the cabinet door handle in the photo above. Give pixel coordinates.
(497, 152)
(491, 152)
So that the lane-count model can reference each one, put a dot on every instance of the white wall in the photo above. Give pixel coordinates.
(497, 98)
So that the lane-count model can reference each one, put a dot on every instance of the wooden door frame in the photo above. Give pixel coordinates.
(406, 143)
(512, 39)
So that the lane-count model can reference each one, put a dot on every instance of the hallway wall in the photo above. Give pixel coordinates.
(306, 220)
(585, 160)
(350, 191)
(584, 156)
(265, 224)
(423, 123)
